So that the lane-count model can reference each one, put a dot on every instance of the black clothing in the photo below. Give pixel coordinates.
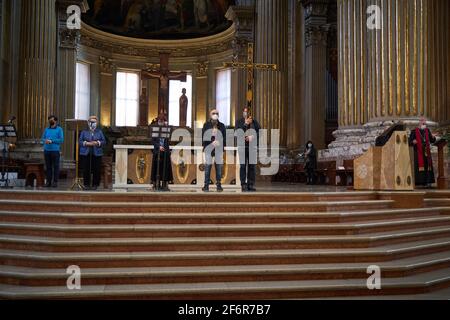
(52, 166)
(91, 164)
(247, 170)
(426, 176)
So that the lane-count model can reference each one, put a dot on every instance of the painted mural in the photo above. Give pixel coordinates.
(159, 19)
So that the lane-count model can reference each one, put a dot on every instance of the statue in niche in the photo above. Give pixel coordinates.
(183, 108)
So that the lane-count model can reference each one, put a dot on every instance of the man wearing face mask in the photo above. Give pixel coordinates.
(214, 143)
(421, 139)
(248, 170)
(52, 139)
(161, 153)
(91, 152)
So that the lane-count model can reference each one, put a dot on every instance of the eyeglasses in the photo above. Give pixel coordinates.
(215, 114)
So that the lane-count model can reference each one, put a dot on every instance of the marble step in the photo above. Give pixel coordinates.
(433, 194)
(38, 259)
(51, 244)
(439, 202)
(215, 230)
(192, 207)
(58, 277)
(45, 195)
(414, 284)
(131, 217)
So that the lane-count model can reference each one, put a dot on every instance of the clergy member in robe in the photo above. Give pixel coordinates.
(161, 164)
(247, 169)
(421, 139)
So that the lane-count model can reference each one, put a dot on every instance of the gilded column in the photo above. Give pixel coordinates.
(316, 31)
(243, 19)
(37, 66)
(398, 70)
(272, 47)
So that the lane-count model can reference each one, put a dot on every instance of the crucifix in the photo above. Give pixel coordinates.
(250, 67)
(164, 76)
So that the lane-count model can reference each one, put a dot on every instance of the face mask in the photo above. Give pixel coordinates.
(93, 125)
(309, 145)
(215, 117)
(245, 114)
(52, 123)
(160, 123)
(423, 127)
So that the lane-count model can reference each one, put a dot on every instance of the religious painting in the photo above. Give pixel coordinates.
(159, 19)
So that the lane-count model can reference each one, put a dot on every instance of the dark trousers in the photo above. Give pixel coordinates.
(52, 165)
(310, 176)
(248, 171)
(91, 165)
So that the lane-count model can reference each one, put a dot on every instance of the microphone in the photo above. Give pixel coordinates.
(10, 121)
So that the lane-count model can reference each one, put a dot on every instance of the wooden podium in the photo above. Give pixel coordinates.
(386, 168)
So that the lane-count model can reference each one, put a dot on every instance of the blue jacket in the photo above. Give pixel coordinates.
(56, 135)
(89, 136)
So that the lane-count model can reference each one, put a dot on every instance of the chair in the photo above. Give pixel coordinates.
(34, 171)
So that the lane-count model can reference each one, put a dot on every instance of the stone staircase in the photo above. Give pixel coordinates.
(247, 246)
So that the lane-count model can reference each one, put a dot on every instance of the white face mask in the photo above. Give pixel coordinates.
(215, 117)
(423, 127)
(93, 125)
(245, 114)
(309, 145)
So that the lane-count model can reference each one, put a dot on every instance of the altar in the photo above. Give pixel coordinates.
(134, 162)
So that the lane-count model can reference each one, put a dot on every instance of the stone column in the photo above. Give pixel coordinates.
(201, 94)
(316, 29)
(68, 42)
(243, 19)
(296, 75)
(272, 47)
(400, 71)
(107, 70)
(37, 67)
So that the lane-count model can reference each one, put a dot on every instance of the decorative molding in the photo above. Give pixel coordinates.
(202, 69)
(106, 65)
(152, 67)
(69, 39)
(106, 42)
(315, 8)
(316, 36)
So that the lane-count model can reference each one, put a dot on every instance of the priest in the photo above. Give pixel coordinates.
(161, 164)
(421, 139)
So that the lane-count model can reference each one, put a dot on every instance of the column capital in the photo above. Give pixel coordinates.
(69, 39)
(316, 35)
(243, 19)
(315, 8)
(106, 65)
(202, 68)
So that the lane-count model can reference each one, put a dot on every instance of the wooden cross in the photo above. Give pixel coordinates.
(164, 76)
(250, 66)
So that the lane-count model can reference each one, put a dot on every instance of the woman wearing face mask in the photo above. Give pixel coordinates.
(91, 152)
(310, 162)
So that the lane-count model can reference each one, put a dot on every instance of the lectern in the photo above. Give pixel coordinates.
(387, 167)
(76, 125)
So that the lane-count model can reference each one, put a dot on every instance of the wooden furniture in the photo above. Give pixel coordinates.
(386, 168)
(441, 182)
(326, 173)
(107, 172)
(346, 174)
(34, 171)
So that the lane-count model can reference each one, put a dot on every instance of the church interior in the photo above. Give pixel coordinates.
(358, 78)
